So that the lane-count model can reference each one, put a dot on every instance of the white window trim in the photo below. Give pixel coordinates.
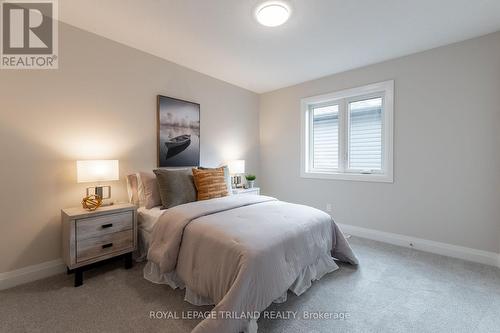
(385, 88)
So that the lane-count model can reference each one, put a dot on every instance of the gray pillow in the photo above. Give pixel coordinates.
(176, 187)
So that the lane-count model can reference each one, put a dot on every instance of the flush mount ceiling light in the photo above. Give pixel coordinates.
(273, 13)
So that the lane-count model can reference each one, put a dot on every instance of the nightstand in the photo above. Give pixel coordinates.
(90, 237)
(253, 190)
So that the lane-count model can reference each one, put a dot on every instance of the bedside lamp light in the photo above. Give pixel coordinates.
(236, 168)
(96, 171)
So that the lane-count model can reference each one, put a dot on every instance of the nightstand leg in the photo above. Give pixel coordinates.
(78, 277)
(128, 260)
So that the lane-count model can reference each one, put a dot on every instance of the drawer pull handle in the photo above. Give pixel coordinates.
(109, 225)
(107, 245)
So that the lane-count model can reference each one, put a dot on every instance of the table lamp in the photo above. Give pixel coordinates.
(236, 169)
(96, 171)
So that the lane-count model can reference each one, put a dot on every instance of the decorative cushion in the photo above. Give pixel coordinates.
(210, 183)
(133, 189)
(227, 177)
(148, 185)
(176, 187)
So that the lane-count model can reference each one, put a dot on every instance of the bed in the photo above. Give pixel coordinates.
(239, 253)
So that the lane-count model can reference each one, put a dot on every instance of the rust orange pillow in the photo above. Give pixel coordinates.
(210, 183)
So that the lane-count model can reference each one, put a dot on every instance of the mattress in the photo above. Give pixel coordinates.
(146, 220)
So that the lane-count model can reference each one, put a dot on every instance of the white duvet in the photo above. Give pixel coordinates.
(243, 252)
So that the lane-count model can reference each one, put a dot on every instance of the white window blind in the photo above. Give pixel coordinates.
(325, 137)
(365, 135)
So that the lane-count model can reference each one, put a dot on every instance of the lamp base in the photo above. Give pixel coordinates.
(236, 182)
(102, 191)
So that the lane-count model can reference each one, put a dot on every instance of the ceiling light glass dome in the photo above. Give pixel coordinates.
(273, 13)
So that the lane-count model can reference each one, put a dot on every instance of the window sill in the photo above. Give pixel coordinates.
(379, 178)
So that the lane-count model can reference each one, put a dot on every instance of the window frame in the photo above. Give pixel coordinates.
(385, 90)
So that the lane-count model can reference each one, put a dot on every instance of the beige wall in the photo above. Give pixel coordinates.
(446, 147)
(101, 103)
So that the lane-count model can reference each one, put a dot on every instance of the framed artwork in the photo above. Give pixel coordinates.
(178, 132)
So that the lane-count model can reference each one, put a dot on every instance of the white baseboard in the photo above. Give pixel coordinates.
(449, 250)
(31, 273)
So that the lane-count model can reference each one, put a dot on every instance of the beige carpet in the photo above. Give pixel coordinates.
(394, 290)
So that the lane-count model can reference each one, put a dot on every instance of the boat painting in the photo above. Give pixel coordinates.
(177, 145)
(178, 133)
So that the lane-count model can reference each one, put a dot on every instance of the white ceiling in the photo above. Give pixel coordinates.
(222, 39)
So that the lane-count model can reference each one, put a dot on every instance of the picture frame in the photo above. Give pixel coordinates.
(178, 132)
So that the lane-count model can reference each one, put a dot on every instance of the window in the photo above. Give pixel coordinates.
(348, 134)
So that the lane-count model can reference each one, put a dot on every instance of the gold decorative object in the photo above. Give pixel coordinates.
(91, 202)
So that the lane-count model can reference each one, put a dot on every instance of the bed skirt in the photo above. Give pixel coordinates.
(143, 241)
(324, 264)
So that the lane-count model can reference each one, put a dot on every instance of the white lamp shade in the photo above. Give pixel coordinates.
(236, 166)
(97, 171)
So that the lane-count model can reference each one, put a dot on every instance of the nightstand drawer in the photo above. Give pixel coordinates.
(95, 247)
(103, 225)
